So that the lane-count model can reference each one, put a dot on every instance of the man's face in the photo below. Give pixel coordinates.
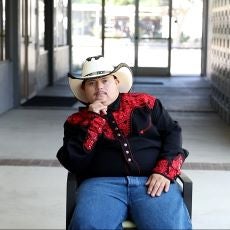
(104, 89)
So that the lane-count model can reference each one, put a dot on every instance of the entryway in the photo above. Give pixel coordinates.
(155, 38)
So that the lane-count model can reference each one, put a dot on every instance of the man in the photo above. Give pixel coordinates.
(128, 150)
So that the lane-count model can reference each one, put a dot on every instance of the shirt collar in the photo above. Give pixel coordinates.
(115, 105)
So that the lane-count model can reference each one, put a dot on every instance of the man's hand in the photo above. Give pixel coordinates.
(98, 107)
(157, 184)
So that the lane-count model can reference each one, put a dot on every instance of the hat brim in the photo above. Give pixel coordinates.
(122, 72)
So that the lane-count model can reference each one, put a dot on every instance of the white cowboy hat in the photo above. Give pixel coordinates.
(95, 67)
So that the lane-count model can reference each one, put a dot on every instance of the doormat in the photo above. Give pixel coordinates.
(51, 101)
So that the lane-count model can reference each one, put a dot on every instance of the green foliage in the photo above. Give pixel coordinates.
(184, 38)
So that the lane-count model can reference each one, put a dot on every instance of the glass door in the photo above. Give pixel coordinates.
(138, 34)
(119, 32)
(153, 37)
(86, 31)
(186, 27)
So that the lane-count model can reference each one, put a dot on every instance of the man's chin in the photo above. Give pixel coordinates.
(101, 98)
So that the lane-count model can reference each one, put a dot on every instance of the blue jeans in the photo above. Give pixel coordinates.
(104, 203)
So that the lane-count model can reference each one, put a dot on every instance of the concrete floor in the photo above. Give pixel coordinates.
(33, 196)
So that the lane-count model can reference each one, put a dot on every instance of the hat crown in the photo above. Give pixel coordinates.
(96, 66)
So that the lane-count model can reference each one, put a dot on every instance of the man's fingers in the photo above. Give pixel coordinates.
(98, 107)
(157, 184)
(104, 111)
(167, 186)
(160, 189)
(148, 181)
(152, 186)
(156, 189)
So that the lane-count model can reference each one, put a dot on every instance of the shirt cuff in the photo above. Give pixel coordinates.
(170, 168)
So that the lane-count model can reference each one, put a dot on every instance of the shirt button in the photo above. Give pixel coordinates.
(125, 144)
(118, 134)
(127, 152)
(116, 128)
(129, 159)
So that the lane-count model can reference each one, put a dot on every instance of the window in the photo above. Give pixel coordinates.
(60, 22)
(41, 19)
(2, 30)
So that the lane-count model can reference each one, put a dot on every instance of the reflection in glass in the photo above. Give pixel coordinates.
(60, 22)
(41, 22)
(153, 29)
(119, 32)
(154, 19)
(86, 31)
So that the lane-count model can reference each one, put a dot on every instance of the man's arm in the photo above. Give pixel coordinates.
(172, 154)
(80, 138)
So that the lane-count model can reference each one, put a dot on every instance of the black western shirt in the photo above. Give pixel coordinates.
(137, 137)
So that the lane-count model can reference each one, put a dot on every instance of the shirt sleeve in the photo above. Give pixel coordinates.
(78, 144)
(172, 154)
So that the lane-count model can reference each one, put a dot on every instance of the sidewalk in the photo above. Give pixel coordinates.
(33, 194)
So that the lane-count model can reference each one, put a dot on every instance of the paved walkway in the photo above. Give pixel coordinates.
(32, 183)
